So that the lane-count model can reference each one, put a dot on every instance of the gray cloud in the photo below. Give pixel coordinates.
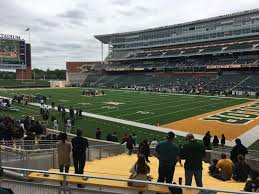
(64, 31)
(73, 14)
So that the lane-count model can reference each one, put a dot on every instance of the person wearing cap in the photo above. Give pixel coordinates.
(193, 152)
(167, 153)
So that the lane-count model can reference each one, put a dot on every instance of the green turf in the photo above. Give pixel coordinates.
(151, 108)
(255, 146)
(159, 108)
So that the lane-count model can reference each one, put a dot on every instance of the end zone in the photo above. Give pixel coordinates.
(233, 121)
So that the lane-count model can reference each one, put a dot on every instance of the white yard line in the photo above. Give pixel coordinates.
(137, 124)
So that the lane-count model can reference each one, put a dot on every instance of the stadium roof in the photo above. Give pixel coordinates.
(105, 38)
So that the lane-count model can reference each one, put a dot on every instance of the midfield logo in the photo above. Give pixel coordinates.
(237, 116)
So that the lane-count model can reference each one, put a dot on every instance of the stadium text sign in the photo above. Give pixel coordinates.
(10, 36)
(242, 115)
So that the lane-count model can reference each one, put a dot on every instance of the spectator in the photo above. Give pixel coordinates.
(144, 149)
(59, 108)
(239, 148)
(6, 191)
(115, 137)
(224, 168)
(63, 116)
(207, 140)
(193, 152)
(139, 171)
(80, 144)
(109, 137)
(64, 151)
(53, 105)
(252, 185)
(212, 168)
(55, 124)
(154, 143)
(71, 112)
(135, 138)
(80, 113)
(68, 126)
(241, 169)
(130, 144)
(124, 138)
(223, 140)
(215, 141)
(98, 133)
(167, 153)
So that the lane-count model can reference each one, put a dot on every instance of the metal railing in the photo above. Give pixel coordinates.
(44, 156)
(67, 187)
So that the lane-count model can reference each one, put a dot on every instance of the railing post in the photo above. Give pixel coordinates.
(64, 186)
(100, 154)
(53, 158)
(88, 154)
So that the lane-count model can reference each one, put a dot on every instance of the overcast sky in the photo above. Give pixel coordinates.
(62, 30)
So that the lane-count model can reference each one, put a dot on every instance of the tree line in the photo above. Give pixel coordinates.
(39, 74)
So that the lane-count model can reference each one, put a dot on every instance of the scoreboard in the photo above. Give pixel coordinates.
(12, 52)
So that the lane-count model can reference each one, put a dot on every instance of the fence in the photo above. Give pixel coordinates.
(44, 156)
(23, 187)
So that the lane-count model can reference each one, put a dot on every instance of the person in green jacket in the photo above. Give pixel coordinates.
(193, 152)
(5, 191)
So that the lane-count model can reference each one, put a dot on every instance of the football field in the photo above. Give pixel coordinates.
(187, 113)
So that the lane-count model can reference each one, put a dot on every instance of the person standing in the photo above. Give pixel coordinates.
(154, 143)
(215, 141)
(139, 171)
(135, 138)
(168, 154)
(238, 149)
(223, 140)
(64, 150)
(130, 144)
(193, 152)
(144, 149)
(98, 133)
(80, 144)
(207, 140)
(115, 137)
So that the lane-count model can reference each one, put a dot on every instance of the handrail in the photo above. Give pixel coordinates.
(51, 149)
(123, 180)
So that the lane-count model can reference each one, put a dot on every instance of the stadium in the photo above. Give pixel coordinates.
(191, 87)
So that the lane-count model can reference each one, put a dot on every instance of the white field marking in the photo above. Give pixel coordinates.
(183, 110)
(64, 100)
(109, 107)
(139, 125)
(84, 103)
(144, 112)
(145, 126)
(177, 105)
(150, 104)
(114, 103)
(250, 136)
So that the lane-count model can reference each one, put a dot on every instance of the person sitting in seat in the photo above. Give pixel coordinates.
(139, 171)
(224, 168)
(213, 169)
(241, 169)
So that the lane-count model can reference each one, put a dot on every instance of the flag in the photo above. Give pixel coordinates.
(27, 29)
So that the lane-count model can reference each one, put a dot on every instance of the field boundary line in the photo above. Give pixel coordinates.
(137, 124)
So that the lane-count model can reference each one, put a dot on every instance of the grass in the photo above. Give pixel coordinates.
(150, 108)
